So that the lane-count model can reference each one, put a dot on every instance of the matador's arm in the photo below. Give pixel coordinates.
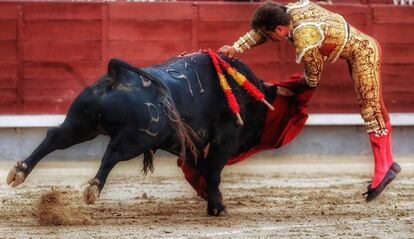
(249, 40)
(307, 39)
(313, 66)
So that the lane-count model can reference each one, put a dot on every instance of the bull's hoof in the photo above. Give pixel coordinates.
(215, 207)
(91, 193)
(221, 211)
(373, 193)
(17, 174)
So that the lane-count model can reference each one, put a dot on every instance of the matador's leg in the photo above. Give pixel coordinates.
(365, 71)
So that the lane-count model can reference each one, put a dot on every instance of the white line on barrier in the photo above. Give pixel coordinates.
(44, 121)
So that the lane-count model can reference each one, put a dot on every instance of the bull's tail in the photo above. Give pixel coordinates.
(148, 162)
(185, 133)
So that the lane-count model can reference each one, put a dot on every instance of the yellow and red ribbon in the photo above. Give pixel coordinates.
(240, 79)
(231, 99)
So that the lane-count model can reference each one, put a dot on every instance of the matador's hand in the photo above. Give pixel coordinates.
(229, 51)
(311, 82)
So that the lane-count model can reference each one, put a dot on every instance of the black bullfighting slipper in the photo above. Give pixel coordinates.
(395, 167)
(373, 193)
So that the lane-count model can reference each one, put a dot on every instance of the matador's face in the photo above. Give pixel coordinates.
(278, 34)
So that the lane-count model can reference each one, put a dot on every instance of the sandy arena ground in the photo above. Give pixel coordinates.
(265, 198)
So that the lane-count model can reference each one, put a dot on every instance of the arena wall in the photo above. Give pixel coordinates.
(324, 134)
(51, 50)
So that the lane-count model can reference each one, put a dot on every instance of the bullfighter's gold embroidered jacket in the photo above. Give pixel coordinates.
(317, 34)
(320, 35)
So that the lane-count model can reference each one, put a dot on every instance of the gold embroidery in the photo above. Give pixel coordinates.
(313, 67)
(249, 40)
(305, 37)
(360, 50)
(362, 55)
(295, 5)
(333, 26)
(310, 24)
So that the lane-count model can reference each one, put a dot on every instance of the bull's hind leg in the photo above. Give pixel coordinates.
(61, 137)
(121, 148)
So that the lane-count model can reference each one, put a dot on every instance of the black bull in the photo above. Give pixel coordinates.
(177, 106)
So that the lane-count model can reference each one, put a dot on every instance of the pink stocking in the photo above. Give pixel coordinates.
(390, 158)
(380, 147)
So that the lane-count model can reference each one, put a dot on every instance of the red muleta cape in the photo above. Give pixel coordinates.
(281, 126)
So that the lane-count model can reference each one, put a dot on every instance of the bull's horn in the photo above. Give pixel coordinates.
(268, 105)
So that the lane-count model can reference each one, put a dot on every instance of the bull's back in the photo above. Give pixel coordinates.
(194, 87)
(195, 90)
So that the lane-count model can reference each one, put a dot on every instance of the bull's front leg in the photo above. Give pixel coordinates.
(216, 160)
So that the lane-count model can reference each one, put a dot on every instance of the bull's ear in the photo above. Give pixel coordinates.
(116, 67)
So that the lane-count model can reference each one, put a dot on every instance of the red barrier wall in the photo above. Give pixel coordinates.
(36, 38)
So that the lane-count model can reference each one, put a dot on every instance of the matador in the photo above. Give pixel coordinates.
(320, 36)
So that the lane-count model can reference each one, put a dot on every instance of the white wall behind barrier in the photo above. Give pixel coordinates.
(345, 140)
(17, 144)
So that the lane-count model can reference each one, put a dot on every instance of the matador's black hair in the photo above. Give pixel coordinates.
(268, 16)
